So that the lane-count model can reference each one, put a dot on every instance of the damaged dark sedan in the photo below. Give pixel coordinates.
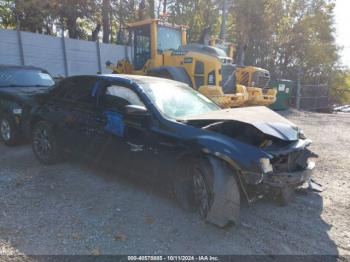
(159, 128)
(18, 87)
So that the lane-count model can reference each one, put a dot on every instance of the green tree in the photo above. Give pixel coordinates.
(106, 6)
(197, 14)
(7, 18)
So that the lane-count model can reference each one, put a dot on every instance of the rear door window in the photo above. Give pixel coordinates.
(77, 90)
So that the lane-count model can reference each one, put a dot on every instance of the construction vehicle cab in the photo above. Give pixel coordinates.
(159, 49)
(228, 47)
(151, 38)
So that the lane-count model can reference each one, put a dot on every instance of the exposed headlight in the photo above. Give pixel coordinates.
(17, 111)
(301, 134)
(266, 166)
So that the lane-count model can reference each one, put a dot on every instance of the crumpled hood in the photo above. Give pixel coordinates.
(262, 118)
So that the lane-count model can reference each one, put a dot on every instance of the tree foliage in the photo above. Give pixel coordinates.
(287, 37)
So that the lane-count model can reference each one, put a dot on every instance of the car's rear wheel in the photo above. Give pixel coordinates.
(44, 144)
(8, 131)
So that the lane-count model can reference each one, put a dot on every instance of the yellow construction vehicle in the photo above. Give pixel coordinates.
(255, 79)
(159, 49)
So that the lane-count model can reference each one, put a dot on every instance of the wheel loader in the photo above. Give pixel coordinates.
(255, 79)
(160, 49)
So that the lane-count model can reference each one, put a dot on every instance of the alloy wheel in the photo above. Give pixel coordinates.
(201, 193)
(5, 129)
(41, 143)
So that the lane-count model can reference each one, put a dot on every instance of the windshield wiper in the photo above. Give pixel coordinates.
(42, 86)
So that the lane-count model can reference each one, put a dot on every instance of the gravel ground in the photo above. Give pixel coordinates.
(73, 208)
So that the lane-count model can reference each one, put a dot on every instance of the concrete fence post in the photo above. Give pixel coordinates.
(64, 52)
(20, 43)
(98, 56)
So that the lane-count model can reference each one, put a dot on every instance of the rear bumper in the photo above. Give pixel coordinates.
(290, 179)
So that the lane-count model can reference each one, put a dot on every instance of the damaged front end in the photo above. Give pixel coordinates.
(288, 163)
(290, 169)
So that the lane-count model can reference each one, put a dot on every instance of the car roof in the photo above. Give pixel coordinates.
(139, 80)
(21, 67)
(144, 80)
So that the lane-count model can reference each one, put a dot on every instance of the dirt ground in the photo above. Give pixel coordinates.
(75, 209)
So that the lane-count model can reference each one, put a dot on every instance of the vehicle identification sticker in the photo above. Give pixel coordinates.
(178, 52)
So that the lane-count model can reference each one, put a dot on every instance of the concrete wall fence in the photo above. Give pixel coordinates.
(60, 56)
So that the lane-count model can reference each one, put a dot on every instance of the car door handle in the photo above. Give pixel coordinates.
(135, 148)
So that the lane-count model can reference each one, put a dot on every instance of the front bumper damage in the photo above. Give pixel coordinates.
(290, 171)
(290, 179)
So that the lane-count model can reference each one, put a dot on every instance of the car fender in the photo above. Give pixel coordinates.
(226, 203)
(243, 158)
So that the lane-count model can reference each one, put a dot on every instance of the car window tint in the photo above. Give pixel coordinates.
(78, 90)
(24, 77)
(124, 93)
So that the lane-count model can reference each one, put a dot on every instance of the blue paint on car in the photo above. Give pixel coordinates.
(115, 123)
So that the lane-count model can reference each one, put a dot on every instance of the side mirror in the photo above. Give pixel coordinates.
(134, 110)
(137, 115)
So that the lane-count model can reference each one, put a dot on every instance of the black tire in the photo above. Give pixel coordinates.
(44, 144)
(216, 191)
(8, 131)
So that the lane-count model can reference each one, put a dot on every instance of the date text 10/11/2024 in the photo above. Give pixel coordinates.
(173, 258)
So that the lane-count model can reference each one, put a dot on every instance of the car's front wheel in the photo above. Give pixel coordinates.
(208, 185)
(44, 144)
(203, 187)
(8, 131)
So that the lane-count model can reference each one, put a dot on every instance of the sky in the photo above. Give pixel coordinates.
(342, 20)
